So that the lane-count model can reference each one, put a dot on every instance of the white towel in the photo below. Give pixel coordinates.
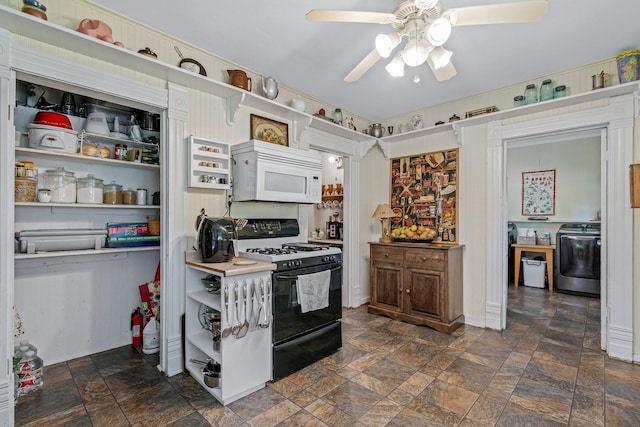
(313, 290)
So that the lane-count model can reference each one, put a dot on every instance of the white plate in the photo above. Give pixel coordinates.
(244, 262)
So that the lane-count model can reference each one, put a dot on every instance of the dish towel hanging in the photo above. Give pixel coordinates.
(313, 290)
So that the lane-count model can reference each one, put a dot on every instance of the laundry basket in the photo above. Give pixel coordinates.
(534, 272)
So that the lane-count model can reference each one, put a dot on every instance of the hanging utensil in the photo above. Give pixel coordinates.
(226, 331)
(240, 223)
(236, 326)
(245, 326)
(253, 321)
(264, 319)
(267, 303)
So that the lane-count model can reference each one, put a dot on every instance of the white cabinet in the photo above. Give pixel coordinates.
(245, 360)
(209, 164)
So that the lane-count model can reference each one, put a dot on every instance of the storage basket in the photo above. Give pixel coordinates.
(545, 241)
(524, 240)
(25, 189)
(154, 226)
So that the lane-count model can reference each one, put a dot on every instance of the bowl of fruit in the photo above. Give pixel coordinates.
(413, 233)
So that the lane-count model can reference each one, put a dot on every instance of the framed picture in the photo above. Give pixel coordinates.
(539, 192)
(268, 130)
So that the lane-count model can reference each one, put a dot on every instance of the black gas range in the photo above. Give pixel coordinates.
(300, 337)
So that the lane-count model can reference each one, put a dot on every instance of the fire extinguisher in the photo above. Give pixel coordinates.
(136, 328)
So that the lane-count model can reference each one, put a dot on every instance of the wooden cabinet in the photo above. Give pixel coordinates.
(419, 284)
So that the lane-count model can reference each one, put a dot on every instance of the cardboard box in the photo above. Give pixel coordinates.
(129, 242)
(127, 229)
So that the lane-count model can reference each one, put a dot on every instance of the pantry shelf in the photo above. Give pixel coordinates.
(104, 251)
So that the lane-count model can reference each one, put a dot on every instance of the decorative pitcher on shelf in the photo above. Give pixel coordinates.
(239, 79)
(269, 87)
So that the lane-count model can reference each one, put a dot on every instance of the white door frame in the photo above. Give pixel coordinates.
(617, 300)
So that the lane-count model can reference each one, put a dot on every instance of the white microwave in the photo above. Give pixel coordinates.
(274, 173)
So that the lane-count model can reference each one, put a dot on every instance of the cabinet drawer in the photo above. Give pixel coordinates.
(425, 258)
(386, 254)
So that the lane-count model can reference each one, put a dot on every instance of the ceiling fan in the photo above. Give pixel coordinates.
(427, 27)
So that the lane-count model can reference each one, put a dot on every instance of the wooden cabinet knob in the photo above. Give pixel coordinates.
(424, 258)
(401, 290)
(408, 291)
(387, 254)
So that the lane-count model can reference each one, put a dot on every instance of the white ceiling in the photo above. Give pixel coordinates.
(274, 38)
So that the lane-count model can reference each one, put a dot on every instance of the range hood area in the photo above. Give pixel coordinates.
(273, 173)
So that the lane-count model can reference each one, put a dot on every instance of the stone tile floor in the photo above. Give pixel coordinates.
(546, 369)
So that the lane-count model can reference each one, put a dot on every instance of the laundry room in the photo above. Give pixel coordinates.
(554, 202)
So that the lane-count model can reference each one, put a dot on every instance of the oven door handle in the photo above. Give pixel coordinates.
(288, 277)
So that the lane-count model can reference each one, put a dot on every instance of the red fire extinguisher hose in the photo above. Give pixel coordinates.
(136, 328)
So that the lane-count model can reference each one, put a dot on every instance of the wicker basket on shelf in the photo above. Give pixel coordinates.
(154, 226)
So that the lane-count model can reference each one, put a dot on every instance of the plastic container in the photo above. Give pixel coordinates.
(90, 190)
(30, 372)
(62, 183)
(151, 337)
(546, 90)
(530, 94)
(533, 271)
(112, 194)
(129, 197)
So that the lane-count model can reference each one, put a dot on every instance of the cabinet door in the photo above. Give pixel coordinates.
(425, 293)
(386, 286)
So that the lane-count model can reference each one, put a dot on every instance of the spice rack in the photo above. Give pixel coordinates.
(209, 164)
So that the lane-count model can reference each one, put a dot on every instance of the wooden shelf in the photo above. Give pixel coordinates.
(103, 251)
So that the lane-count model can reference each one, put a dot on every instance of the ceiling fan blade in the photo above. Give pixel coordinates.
(443, 73)
(364, 65)
(504, 13)
(349, 16)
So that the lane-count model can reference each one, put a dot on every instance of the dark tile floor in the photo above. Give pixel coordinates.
(546, 369)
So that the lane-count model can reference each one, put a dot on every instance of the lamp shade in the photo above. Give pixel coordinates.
(383, 211)
(438, 32)
(385, 43)
(396, 67)
(415, 52)
(441, 57)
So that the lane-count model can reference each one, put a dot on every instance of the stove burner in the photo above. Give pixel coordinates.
(272, 251)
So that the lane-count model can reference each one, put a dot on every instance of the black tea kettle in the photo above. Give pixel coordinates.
(214, 238)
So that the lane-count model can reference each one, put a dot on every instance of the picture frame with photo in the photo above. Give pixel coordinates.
(268, 130)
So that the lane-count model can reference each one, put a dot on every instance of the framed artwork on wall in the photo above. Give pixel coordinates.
(268, 130)
(539, 193)
(424, 197)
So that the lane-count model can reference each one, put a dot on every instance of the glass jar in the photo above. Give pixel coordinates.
(112, 194)
(90, 190)
(518, 101)
(530, 94)
(560, 91)
(129, 197)
(546, 90)
(337, 116)
(62, 184)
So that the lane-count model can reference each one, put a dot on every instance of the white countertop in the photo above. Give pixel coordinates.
(235, 267)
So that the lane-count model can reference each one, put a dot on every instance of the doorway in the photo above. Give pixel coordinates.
(616, 300)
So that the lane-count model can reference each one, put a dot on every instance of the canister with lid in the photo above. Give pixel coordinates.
(62, 183)
(90, 190)
(530, 94)
(129, 197)
(546, 90)
(112, 194)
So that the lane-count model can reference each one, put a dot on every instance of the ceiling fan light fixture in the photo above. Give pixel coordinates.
(415, 52)
(395, 68)
(441, 57)
(385, 43)
(438, 32)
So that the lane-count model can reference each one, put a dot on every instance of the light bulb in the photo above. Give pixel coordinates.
(438, 32)
(396, 67)
(415, 52)
(385, 43)
(440, 57)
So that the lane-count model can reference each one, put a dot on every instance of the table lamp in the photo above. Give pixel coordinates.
(384, 212)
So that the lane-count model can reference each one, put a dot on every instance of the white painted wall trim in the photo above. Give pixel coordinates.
(618, 119)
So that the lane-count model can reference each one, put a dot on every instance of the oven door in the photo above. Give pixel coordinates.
(288, 319)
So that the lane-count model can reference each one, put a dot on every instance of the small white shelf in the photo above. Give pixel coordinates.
(103, 251)
(76, 157)
(209, 163)
(206, 298)
(84, 205)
